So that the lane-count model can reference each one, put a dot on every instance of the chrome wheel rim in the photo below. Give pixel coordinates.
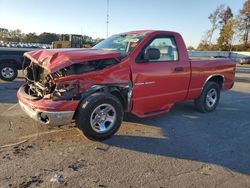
(7, 72)
(103, 118)
(211, 98)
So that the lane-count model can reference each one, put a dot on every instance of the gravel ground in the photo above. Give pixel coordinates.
(183, 148)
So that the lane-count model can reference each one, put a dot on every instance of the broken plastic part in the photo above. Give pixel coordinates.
(43, 84)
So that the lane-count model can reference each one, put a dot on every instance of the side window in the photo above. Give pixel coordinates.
(167, 47)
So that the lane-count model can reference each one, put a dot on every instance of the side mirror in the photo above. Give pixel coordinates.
(152, 54)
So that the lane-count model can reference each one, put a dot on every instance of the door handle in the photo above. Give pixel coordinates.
(179, 69)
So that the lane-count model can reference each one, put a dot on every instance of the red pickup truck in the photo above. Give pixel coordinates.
(141, 72)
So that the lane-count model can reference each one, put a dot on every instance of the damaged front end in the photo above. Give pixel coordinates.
(52, 97)
(40, 83)
(43, 84)
(45, 100)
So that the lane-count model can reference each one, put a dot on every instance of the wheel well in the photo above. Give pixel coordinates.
(121, 98)
(218, 79)
(113, 91)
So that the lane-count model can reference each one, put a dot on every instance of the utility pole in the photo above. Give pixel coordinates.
(107, 18)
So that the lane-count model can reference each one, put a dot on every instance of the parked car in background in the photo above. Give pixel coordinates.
(141, 72)
(245, 60)
(24, 45)
(11, 60)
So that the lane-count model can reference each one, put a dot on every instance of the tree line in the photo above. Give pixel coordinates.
(234, 31)
(43, 38)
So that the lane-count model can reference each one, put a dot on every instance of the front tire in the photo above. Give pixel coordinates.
(99, 116)
(209, 98)
(8, 72)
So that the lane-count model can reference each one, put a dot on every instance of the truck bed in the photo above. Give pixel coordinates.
(202, 69)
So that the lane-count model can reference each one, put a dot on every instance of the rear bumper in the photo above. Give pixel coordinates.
(53, 118)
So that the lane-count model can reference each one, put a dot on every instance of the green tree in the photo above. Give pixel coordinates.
(243, 24)
(203, 45)
(224, 41)
(16, 35)
(214, 19)
(47, 38)
(3, 33)
(218, 18)
(190, 48)
(225, 16)
(31, 38)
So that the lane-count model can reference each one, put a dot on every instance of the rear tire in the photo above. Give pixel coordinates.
(8, 72)
(209, 98)
(99, 116)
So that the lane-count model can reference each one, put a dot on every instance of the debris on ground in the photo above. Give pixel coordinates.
(101, 185)
(22, 150)
(14, 144)
(57, 179)
(101, 148)
(33, 180)
(6, 156)
(78, 165)
(10, 126)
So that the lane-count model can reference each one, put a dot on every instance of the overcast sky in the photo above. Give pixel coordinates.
(88, 17)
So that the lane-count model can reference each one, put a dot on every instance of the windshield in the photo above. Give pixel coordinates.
(123, 43)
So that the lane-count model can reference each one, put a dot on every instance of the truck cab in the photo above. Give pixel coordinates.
(160, 69)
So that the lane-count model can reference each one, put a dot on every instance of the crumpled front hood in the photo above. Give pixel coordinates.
(56, 59)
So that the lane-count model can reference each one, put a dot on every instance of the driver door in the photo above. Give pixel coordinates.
(159, 82)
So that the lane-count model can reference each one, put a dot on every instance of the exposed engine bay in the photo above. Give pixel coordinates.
(42, 84)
